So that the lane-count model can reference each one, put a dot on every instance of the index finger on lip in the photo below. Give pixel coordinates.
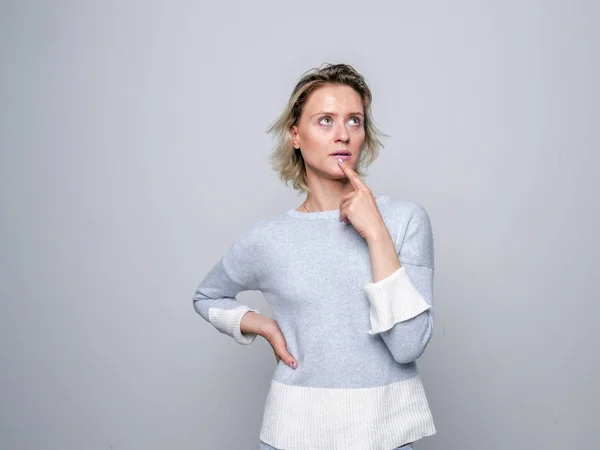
(351, 174)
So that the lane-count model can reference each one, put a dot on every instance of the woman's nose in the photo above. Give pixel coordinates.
(341, 134)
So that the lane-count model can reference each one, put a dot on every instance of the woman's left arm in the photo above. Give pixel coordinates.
(401, 293)
(401, 298)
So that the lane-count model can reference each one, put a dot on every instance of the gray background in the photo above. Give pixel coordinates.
(134, 151)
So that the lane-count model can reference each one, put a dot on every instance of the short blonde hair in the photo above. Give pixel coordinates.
(285, 159)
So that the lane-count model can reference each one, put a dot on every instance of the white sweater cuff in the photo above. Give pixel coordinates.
(228, 321)
(394, 299)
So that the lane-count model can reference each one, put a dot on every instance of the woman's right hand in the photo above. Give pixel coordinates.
(269, 329)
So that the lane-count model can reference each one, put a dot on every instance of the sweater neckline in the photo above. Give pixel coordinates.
(329, 214)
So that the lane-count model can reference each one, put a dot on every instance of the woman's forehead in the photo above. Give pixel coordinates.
(338, 99)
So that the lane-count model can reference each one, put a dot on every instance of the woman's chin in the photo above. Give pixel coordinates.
(331, 171)
(337, 174)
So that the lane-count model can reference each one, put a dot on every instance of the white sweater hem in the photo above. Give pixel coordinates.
(378, 418)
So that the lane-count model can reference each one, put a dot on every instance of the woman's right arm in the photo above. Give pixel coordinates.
(215, 299)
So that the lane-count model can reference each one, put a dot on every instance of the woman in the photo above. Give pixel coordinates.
(348, 275)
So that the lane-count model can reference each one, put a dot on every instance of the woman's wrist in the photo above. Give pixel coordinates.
(383, 255)
(255, 323)
(378, 234)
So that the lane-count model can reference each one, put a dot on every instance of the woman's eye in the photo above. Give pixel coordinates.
(356, 120)
(325, 120)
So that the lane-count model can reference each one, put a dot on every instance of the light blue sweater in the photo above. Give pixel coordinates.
(356, 342)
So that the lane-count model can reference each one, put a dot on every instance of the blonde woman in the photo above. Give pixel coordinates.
(349, 278)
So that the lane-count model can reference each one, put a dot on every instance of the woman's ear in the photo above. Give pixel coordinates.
(294, 133)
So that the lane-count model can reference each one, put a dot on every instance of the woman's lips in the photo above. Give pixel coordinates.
(343, 157)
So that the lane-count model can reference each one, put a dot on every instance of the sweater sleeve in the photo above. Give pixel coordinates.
(401, 304)
(215, 298)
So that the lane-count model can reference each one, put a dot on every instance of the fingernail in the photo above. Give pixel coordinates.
(341, 161)
(293, 365)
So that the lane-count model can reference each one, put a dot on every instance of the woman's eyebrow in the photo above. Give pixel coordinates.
(335, 114)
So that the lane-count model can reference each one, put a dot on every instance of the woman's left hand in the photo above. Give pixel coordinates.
(360, 208)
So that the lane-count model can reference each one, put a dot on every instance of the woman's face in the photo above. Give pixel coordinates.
(330, 127)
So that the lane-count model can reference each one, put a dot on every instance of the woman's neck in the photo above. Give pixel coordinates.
(319, 199)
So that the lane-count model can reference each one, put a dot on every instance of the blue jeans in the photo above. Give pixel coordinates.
(264, 446)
